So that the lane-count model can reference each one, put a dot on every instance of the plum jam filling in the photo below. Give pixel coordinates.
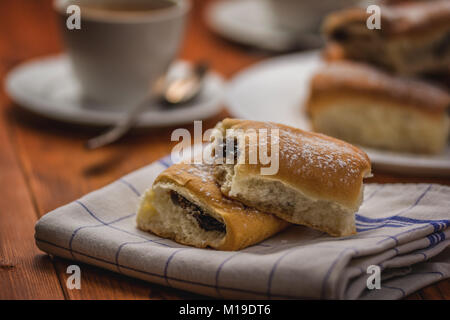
(204, 220)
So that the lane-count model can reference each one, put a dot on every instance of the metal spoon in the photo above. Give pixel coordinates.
(169, 93)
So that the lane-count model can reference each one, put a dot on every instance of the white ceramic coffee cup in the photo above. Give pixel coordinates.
(305, 16)
(116, 56)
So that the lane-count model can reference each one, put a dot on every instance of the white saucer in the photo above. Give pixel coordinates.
(249, 22)
(47, 87)
(275, 90)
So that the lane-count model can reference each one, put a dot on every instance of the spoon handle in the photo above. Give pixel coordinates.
(118, 130)
(129, 120)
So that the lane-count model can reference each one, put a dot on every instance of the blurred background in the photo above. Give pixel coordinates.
(45, 123)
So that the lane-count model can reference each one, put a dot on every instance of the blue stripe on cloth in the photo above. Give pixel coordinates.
(166, 161)
(395, 288)
(116, 258)
(173, 278)
(166, 266)
(429, 272)
(89, 211)
(272, 271)
(371, 224)
(397, 221)
(364, 227)
(119, 229)
(390, 225)
(432, 239)
(395, 237)
(371, 220)
(329, 271)
(435, 239)
(95, 226)
(425, 257)
(129, 185)
(219, 269)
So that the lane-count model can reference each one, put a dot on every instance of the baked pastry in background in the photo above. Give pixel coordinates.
(333, 52)
(414, 37)
(362, 105)
(186, 205)
(400, 1)
(319, 182)
(442, 79)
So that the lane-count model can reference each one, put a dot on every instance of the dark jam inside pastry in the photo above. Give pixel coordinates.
(204, 220)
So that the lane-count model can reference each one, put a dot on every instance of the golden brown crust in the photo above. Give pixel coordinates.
(245, 226)
(358, 80)
(320, 166)
(409, 17)
(331, 231)
(333, 52)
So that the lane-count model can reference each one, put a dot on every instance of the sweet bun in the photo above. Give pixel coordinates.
(186, 205)
(365, 106)
(319, 182)
(414, 37)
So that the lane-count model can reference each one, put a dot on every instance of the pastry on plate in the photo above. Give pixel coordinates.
(319, 181)
(414, 37)
(362, 105)
(186, 205)
(333, 52)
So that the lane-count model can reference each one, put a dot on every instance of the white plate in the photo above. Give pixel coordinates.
(276, 89)
(249, 22)
(47, 87)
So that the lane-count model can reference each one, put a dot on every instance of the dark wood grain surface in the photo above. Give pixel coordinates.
(43, 164)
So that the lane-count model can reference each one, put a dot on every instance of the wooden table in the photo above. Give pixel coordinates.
(43, 164)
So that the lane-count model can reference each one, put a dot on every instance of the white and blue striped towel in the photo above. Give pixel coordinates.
(402, 228)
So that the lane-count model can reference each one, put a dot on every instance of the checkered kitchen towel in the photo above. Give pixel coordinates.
(403, 229)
